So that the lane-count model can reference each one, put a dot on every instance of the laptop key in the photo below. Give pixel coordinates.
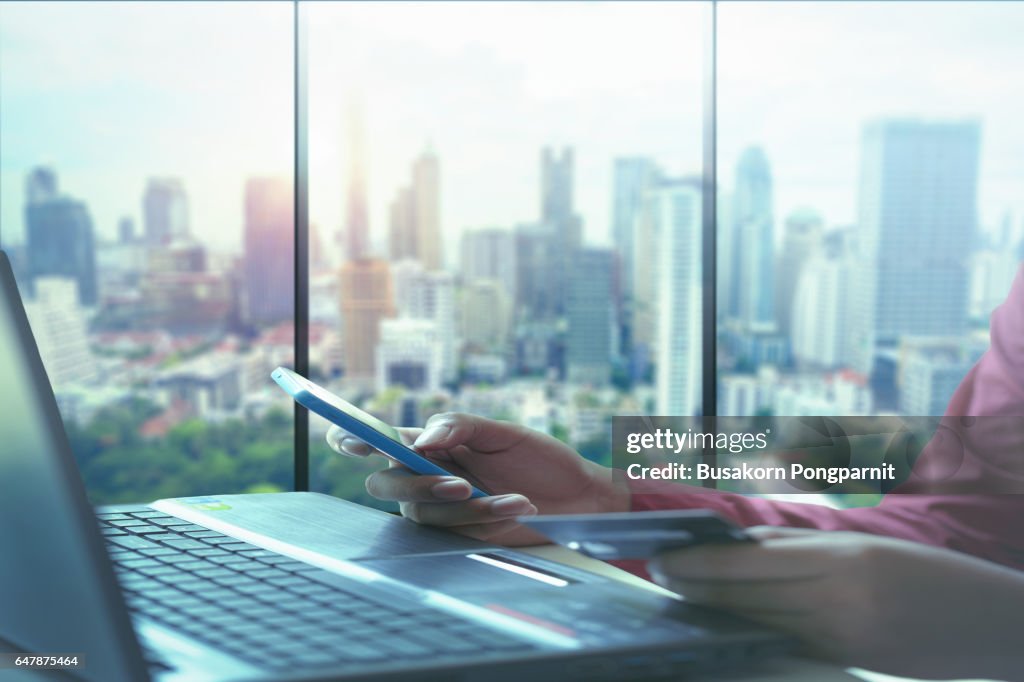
(113, 531)
(198, 532)
(138, 563)
(237, 546)
(171, 521)
(221, 540)
(131, 542)
(205, 551)
(184, 543)
(113, 517)
(150, 515)
(217, 572)
(228, 558)
(160, 551)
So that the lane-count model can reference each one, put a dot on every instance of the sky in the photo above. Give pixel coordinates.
(111, 94)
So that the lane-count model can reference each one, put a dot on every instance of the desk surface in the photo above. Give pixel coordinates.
(783, 669)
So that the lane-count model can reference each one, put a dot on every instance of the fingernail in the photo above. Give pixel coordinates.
(452, 489)
(513, 505)
(434, 434)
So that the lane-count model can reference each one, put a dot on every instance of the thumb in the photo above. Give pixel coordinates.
(449, 429)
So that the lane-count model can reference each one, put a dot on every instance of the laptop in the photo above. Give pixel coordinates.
(297, 586)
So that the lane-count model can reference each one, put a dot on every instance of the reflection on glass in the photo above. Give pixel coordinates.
(870, 214)
(507, 215)
(145, 156)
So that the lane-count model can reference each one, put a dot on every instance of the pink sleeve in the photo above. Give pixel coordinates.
(990, 526)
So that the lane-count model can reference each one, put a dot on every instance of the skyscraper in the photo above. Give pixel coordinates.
(40, 185)
(489, 254)
(402, 228)
(559, 220)
(753, 246)
(357, 221)
(415, 229)
(633, 176)
(803, 234)
(269, 250)
(165, 211)
(366, 299)
(426, 190)
(589, 312)
(423, 295)
(59, 239)
(679, 305)
(917, 216)
(556, 186)
(485, 316)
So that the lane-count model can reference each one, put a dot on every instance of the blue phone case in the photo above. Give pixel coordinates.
(298, 387)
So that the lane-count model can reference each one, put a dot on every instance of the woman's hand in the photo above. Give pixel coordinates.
(890, 605)
(526, 472)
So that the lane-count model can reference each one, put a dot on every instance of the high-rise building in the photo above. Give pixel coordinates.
(535, 266)
(40, 185)
(753, 244)
(589, 312)
(559, 221)
(992, 273)
(269, 251)
(820, 322)
(366, 299)
(802, 238)
(165, 211)
(59, 239)
(408, 355)
(423, 295)
(59, 327)
(633, 177)
(556, 186)
(126, 230)
(402, 229)
(426, 190)
(930, 371)
(489, 254)
(415, 229)
(486, 313)
(917, 217)
(679, 305)
(357, 220)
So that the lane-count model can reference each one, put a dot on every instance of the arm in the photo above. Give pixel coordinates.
(977, 522)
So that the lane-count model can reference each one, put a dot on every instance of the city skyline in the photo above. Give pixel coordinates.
(823, 179)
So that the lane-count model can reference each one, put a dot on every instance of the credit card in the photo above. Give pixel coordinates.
(636, 535)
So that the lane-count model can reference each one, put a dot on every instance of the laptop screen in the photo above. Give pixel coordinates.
(59, 593)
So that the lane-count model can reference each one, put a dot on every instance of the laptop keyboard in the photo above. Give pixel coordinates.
(270, 610)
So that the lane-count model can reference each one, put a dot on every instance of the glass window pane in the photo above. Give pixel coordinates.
(145, 159)
(492, 185)
(871, 214)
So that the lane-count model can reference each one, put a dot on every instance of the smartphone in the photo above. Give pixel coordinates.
(367, 428)
(636, 535)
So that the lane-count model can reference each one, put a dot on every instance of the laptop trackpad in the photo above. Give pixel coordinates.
(467, 574)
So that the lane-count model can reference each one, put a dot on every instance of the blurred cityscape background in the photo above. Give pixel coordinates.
(498, 226)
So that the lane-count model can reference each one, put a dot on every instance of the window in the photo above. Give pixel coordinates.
(489, 184)
(146, 164)
(870, 204)
(505, 216)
